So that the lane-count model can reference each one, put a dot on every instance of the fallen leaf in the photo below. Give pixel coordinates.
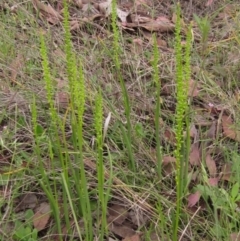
(228, 129)
(169, 164)
(135, 237)
(194, 157)
(235, 237)
(111, 239)
(138, 19)
(160, 24)
(161, 42)
(27, 201)
(117, 214)
(15, 67)
(62, 100)
(137, 45)
(106, 9)
(193, 131)
(170, 136)
(211, 133)
(226, 172)
(209, 3)
(141, 2)
(52, 15)
(194, 89)
(193, 198)
(121, 230)
(41, 216)
(211, 165)
(139, 219)
(122, 15)
(213, 181)
(79, 3)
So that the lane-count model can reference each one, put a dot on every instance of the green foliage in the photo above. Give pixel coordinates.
(156, 79)
(98, 120)
(183, 74)
(224, 208)
(204, 27)
(24, 231)
(48, 80)
(127, 135)
(77, 108)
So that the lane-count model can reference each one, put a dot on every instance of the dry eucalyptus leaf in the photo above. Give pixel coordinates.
(136, 18)
(158, 25)
(228, 128)
(135, 237)
(193, 132)
(27, 201)
(193, 199)
(48, 11)
(211, 165)
(117, 214)
(193, 88)
(79, 3)
(226, 172)
(194, 157)
(41, 216)
(16, 66)
(213, 181)
(62, 99)
(106, 9)
(235, 237)
(211, 133)
(121, 230)
(169, 164)
(138, 218)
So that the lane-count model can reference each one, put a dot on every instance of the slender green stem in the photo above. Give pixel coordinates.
(116, 48)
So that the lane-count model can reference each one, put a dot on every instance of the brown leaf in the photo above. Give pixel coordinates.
(139, 219)
(15, 67)
(213, 181)
(193, 131)
(160, 24)
(79, 3)
(62, 99)
(193, 198)
(193, 88)
(209, 3)
(135, 237)
(52, 15)
(161, 42)
(235, 237)
(121, 230)
(169, 164)
(169, 135)
(117, 214)
(194, 157)
(137, 19)
(137, 45)
(27, 201)
(211, 133)
(41, 217)
(226, 172)
(106, 9)
(228, 129)
(211, 165)
(141, 2)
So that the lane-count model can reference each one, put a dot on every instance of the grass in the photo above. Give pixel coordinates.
(90, 120)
